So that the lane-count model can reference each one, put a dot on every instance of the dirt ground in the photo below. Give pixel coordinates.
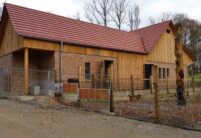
(22, 120)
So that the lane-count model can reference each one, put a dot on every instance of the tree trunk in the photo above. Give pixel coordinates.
(179, 66)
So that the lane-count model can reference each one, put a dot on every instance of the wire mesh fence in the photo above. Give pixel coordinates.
(143, 107)
(129, 97)
(88, 91)
(13, 84)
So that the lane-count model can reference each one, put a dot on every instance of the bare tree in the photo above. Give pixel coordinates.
(191, 31)
(118, 13)
(151, 20)
(191, 35)
(76, 16)
(180, 18)
(133, 17)
(164, 16)
(98, 11)
(195, 35)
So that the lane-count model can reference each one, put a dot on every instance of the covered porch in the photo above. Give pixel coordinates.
(32, 70)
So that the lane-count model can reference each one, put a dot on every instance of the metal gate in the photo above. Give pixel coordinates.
(1, 82)
(5, 82)
(12, 81)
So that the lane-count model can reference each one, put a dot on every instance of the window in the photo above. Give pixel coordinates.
(164, 73)
(167, 72)
(159, 73)
(168, 31)
(87, 71)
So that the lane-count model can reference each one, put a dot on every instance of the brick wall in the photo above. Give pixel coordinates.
(39, 63)
(6, 61)
(72, 61)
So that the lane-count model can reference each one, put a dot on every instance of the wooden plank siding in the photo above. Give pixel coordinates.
(10, 41)
(164, 49)
(127, 63)
(164, 52)
(187, 60)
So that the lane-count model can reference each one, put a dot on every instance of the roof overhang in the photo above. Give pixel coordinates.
(85, 45)
(189, 53)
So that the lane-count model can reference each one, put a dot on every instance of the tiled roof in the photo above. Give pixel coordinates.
(32, 23)
(152, 34)
(42, 25)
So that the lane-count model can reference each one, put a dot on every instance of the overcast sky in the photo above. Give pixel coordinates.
(147, 7)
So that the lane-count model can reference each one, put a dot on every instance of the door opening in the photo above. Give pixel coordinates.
(147, 73)
(108, 69)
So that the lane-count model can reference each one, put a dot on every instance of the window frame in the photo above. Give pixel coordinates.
(159, 73)
(87, 70)
(164, 73)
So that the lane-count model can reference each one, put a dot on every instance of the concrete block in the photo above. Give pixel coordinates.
(70, 97)
(25, 98)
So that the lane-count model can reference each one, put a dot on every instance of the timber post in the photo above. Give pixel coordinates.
(167, 83)
(151, 84)
(157, 102)
(26, 71)
(102, 78)
(93, 81)
(80, 75)
(156, 94)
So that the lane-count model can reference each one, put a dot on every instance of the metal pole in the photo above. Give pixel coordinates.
(132, 87)
(193, 84)
(111, 98)
(61, 62)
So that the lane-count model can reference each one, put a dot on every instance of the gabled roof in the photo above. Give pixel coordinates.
(151, 34)
(32, 23)
(46, 26)
(189, 53)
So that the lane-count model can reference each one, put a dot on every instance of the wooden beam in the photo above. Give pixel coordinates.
(26, 71)
(151, 84)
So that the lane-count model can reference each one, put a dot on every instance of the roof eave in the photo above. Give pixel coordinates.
(3, 22)
(189, 53)
(86, 45)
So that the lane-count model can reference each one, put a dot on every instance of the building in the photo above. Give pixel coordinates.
(31, 39)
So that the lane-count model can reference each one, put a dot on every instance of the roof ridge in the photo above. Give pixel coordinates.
(151, 26)
(81, 21)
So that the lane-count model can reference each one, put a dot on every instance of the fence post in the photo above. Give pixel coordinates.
(193, 84)
(151, 84)
(95, 81)
(26, 71)
(167, 85)
(157, 102)
(101, 77)
(79, 75)
(156, 94)
(132, 86)
(92, 81)
(111, 98)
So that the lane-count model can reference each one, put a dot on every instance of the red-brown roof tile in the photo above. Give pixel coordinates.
(32, 23)
(151, 34)
(42, 25)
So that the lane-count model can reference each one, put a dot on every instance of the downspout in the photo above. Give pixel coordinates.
(61, 61)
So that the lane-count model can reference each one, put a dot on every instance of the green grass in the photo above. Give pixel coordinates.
(197, 76)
